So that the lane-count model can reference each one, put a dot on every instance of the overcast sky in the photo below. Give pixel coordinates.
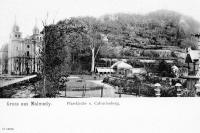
(28, 11)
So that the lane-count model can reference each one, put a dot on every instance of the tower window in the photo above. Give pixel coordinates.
(28, 46)
(15, 35)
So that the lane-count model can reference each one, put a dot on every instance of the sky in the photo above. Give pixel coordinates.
(31, 12)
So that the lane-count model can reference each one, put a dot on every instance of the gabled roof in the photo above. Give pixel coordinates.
(121, 65)
(192, 56)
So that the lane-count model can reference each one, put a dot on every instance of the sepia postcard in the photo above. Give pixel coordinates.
(99, 66)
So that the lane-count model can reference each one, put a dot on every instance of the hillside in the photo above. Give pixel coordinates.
(73, 45)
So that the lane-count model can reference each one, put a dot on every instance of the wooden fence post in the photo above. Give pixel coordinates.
(66, 91)
(120, 92)
(139, 88)
(85, 89)
(83, 94)
(102, 91)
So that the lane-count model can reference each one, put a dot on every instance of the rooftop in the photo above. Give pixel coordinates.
(192, 56)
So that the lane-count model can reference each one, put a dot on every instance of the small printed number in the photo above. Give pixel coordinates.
(7, 129)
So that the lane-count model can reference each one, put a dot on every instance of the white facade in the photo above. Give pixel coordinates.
(23, 53)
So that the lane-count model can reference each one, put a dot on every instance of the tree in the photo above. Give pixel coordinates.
(95, 43)
(95, 38)
(164, 69)
(73, 45)
(61, 41)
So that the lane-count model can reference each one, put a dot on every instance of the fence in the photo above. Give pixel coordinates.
(81, 92)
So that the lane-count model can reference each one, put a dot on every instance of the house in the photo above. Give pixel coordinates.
(192, 60)
(121, 67)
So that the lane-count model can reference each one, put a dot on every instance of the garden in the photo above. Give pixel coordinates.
(144, 84)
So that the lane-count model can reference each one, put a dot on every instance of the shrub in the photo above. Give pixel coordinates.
(164, 69)
(105, 80)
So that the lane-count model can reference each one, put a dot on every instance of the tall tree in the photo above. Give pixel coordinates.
(95, 36)
(95, 44)
(60, 39)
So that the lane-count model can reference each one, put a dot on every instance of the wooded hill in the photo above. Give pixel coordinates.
(71, 44)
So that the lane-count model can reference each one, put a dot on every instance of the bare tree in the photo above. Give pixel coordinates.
(94, 40)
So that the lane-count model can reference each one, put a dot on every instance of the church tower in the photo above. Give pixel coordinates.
(37, 42)
(23, 53)
(15, 33)
(14, 49)
(36, 33)
(36, 30)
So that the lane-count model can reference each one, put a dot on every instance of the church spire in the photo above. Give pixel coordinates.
(15, 26)
(36, 29)
(15, 33)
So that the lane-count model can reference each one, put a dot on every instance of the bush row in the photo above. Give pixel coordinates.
(131, 85)
(146, 86)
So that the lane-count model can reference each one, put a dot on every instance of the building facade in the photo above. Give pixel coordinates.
(23, 54)
(193, 60)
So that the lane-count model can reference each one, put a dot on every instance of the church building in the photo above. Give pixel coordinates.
(23, 53)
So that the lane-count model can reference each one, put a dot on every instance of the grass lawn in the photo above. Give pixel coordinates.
(89, 77)
(81, 87)
(75, 88)
(80, 84)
